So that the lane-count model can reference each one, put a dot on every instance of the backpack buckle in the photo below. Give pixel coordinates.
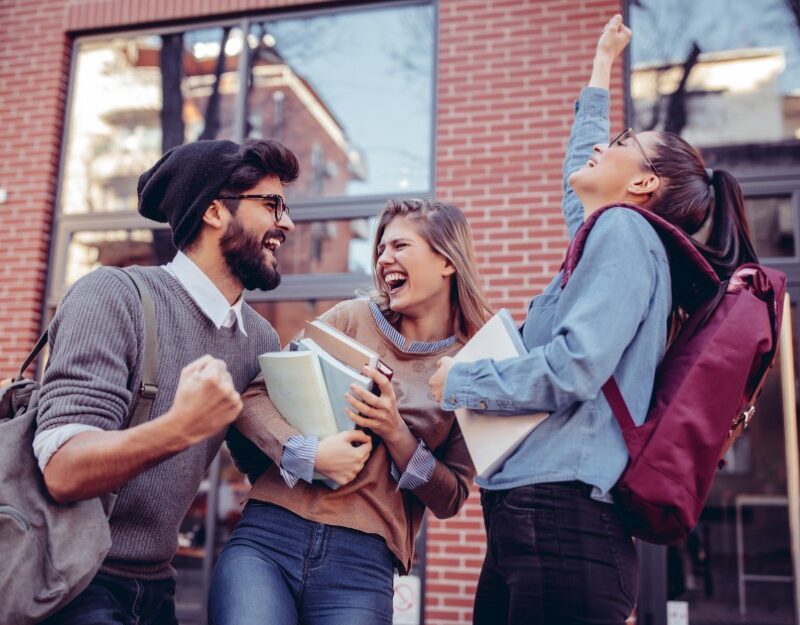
(742, 421)
(747, 416)
(148, 391)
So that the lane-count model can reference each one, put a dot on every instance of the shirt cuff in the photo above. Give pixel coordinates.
(454, 392)
(419, 470)
(49, 441)
(297, 459)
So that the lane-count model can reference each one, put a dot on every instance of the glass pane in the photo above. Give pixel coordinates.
(333, 246)
(351, 95)
(118, 248)
(771, 225)
(135, 97)
(736, 566)
(725, 74)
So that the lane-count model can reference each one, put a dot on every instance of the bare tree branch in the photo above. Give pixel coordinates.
(212, 124)
(171, 62)
(677, 116)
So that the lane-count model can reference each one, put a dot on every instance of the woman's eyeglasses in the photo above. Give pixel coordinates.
(628, 133)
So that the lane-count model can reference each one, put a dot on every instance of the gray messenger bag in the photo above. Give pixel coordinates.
(49, 552)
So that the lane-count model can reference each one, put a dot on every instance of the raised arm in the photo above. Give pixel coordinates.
(591, 125)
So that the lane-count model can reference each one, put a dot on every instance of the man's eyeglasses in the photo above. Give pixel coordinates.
(628, 133)
(272, 202)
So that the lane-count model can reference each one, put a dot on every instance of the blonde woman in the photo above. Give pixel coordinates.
(304, 553)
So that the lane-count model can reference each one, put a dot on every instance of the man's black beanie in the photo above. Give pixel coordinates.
(181, 185)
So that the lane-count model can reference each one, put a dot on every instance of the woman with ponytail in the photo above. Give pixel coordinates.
(558, 551)
(706, 204)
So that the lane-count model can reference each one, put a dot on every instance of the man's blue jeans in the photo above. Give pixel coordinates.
(280, 569)
(112, 600)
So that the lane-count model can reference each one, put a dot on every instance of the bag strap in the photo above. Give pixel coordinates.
(618, 405)
(32, 356)
(150, 362)
(148, 390)
(698, 280)
(623, 416)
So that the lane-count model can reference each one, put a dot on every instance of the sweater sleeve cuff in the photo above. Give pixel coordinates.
(298, 458)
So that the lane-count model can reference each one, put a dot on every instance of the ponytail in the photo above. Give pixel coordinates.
(707, 205)
(729, 244)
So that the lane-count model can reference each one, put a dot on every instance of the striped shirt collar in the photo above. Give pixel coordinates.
(397, 339)
(205, 293)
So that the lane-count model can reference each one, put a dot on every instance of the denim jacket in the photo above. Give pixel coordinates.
(610, 319)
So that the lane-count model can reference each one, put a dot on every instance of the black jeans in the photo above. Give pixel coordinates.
(112, 600)
(554, 557)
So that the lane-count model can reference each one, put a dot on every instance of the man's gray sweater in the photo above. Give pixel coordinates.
(96, 343)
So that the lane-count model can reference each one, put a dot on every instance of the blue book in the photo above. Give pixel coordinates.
(338, 378)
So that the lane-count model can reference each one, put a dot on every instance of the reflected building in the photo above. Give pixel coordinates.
(733, 107)
(122, 126)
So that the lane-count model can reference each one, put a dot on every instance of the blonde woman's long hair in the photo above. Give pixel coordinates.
(446, 230)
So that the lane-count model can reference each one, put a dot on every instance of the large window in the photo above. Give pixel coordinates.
(350, 91)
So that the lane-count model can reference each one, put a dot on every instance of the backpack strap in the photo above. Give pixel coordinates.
(32, 356)
(621, 413)
(143, 402)
(150, 360)
(697, 277)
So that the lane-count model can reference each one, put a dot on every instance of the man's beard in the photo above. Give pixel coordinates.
(244, 255)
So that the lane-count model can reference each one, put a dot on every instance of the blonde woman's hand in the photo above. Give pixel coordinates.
(377, 412)
(440, 377)
(614, 39)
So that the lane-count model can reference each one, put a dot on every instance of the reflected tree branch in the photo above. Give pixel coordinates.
(171, 64)
(677, 115)
(212, 123)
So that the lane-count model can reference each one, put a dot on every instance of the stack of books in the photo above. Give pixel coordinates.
(308, 383)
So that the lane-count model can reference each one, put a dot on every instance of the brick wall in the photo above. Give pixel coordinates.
(509, 71)
(34, 62)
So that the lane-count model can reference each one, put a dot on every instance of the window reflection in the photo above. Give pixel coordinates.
(135, 97)
(725, 75)
(118, 248)
(333, 246)
(771, 225)
(351, 94)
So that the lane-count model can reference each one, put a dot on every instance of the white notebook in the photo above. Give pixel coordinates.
(297, 388)
(491, 438)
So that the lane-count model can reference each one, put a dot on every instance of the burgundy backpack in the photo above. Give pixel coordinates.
(705, 386)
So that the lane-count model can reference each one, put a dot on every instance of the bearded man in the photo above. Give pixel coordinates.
(225, 206)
